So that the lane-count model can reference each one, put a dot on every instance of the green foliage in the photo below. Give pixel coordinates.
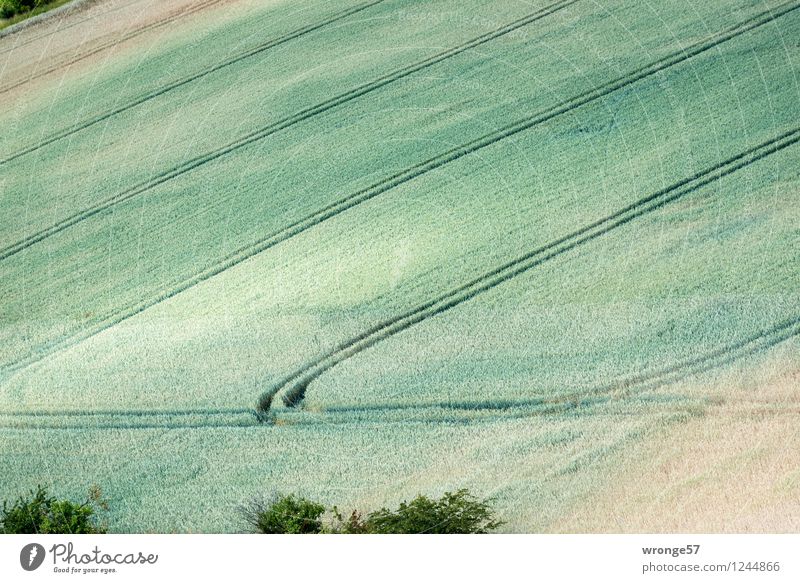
(454, 513)
(9, 8)
(284, 515)
(44, 514)
(353, 524)
(14, 11)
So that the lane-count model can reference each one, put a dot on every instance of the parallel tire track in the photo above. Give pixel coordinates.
(432, 163)
(274, 127)
(44, 413)
(75, 128)
(129, 419)
(61, 29)
(111, 43)
(294, 386)
(244, 253)
(236, 418)
(755, 343)
(244, 423)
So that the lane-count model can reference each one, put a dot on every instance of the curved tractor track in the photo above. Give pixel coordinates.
(243, 418)
(246, 252)
(294, 386)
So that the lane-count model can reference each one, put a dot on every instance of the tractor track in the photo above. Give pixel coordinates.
(579, 401)
(244, 253)
(616, 389)
(753, 344)
(497, 410)
(110, 44)
(294, 386)
(260, 48)
(59, 29)
(272, 128)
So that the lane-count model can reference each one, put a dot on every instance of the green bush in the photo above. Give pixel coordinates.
(44, 514)
(454, 513)
(9, 8)
(284, 515)
(353, 524)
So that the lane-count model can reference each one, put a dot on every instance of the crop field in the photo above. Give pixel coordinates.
(361, 250)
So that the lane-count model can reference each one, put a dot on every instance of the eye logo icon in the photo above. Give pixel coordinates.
(31, 556)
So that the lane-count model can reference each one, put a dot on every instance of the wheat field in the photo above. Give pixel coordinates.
(547, 251)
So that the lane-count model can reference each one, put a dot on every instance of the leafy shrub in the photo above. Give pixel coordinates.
(353, 524)
(454, 513)
(284, 515)
(44, 514)
(9, 8)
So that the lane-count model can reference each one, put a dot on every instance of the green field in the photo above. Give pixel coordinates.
(497, 245)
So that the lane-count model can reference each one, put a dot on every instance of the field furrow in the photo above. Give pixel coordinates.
(19, 44)
(293, 388)
(336, 208)
(163, 90)
(277, 126)
(109, 44)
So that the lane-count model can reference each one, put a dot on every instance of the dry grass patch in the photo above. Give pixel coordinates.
(736, 469)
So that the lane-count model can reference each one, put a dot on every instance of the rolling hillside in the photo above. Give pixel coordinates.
(361, 250)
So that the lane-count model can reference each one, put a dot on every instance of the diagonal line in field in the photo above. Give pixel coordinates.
(110, 44)
(260, 48)
(109, 419)
(295, 385)
(59, 29)
(759, 342)
(244, 253)
(618, 388)
(275, 127)
(753, 344)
